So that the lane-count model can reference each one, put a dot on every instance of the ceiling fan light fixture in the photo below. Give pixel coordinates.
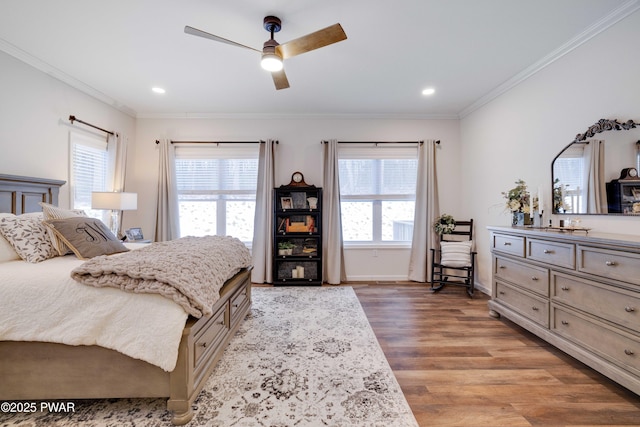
(271, 62)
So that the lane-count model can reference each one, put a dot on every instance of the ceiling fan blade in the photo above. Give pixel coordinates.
(200, 33)
(280, 79)
(320, 38)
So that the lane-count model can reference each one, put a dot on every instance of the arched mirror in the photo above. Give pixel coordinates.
(596, 174)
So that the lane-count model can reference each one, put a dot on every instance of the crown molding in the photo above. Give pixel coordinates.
(52, 71)
(606, 22)
(296, 116)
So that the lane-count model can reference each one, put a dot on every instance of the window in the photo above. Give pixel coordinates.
(89, 166)
(569, 169)
(217, 189)
(377, 193)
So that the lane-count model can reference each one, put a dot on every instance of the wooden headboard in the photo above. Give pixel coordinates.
(21, 194)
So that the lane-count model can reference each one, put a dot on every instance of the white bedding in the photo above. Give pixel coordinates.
(41, 302)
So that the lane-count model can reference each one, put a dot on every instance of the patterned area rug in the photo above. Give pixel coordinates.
(303, 357)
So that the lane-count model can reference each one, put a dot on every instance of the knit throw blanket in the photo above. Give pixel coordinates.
(189, 270)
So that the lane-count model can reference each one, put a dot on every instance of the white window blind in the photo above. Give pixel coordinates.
(377, 192)
(89, 166)
(217, 189)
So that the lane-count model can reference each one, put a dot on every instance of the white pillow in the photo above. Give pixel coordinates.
(7, 253)
(54, 212)
(456, 254)
(28, 236)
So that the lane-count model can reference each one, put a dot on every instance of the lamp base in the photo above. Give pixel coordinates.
(114, 223)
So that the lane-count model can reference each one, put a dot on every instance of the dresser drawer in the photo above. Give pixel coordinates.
(513, 245)
(239, 302)
(612, 264)
(535, 308)
(553, 253)
(618, 347)
(533, 278)
(209, 336)
(614, 305)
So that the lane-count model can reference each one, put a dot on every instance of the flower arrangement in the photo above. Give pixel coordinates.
(444, 224)
(518, 199)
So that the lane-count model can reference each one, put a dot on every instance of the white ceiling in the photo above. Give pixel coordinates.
(468, 50)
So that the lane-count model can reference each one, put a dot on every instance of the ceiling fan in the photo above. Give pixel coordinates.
(274, 53)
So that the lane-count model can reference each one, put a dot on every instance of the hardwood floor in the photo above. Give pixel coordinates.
(458, 366)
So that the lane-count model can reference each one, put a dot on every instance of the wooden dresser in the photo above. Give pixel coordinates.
(580, 292)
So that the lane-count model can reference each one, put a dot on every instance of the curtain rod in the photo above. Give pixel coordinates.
(74, 119)
(215, 142)
(380, 142)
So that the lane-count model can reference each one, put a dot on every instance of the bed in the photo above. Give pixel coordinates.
(34, 370)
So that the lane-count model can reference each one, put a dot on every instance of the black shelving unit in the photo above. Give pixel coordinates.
(622, 195)
(297, 232)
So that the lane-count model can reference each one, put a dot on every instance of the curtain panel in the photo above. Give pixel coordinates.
(262, 246)
(426, 211)
(332, 248)
(167, 213)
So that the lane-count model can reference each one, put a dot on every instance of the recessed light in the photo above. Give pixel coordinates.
(429, 91)
(158, 90)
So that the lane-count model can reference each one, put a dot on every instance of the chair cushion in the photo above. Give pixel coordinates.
(456, 254)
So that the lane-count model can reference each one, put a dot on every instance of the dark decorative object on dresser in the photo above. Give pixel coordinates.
(297, 230)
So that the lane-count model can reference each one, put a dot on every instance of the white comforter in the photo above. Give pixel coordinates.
(40, 302)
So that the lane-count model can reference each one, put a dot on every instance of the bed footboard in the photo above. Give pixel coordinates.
(38, 370)
(203, 343)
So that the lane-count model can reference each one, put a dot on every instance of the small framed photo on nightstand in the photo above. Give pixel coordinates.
(134, 234)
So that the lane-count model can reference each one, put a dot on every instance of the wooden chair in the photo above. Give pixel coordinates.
(454, 262)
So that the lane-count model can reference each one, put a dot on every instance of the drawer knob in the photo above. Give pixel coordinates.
(611, 263)
(629, 309)
(628, 352)
(534, 308)
(565, 288)
(547, 251)
(507, 243)
(502, 266)
(534, 278)
(204, 344)
(501, 292)
(564, 322)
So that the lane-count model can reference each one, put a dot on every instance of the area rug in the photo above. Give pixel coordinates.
(303, 357)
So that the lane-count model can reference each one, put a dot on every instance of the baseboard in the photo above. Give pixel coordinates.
(390, 278)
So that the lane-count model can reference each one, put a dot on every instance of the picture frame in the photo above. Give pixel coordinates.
(286, 203)
(299, 199)
(134, 233)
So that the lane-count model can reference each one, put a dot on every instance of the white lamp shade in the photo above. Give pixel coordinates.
(114, 201)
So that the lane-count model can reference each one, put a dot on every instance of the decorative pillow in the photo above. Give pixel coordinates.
(87, 237)
(456, 254)
(28, 236)
(54, 212)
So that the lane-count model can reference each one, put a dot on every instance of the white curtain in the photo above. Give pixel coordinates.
(332, 249)
(117, 152)
(262, 247)
(594, 179)
(167, 213)
(426, 211)
(117, 159)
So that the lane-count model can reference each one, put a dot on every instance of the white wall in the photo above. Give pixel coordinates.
(34, 126)
(518, 134)
(300, 149)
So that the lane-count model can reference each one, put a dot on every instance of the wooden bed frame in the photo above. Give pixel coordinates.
(38, 370)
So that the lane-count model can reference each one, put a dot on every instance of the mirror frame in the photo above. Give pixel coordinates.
(600, 126)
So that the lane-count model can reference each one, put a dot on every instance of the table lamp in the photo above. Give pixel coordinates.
(115, 202)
